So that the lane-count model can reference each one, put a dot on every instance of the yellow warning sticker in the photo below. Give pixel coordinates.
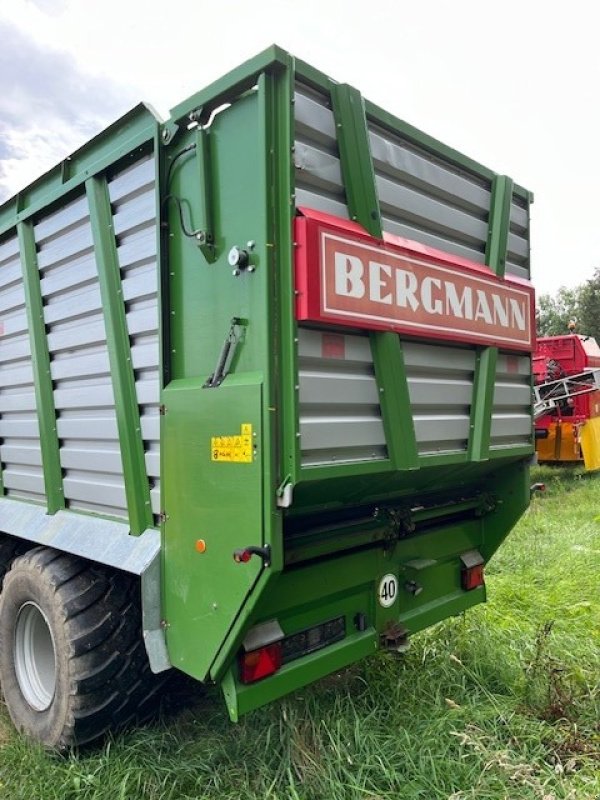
(239, 449)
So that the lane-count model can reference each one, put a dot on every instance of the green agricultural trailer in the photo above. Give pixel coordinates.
(265, 398)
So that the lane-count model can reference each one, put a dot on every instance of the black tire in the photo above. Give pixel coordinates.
(72, 659)
(9, 549)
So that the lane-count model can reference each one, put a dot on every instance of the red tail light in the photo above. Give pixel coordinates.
(471, 574)
(260, 663)
(472, 577)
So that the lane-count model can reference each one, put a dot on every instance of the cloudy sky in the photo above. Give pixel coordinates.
(514, 84)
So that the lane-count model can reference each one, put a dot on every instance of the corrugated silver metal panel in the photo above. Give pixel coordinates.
(316, 158)
(132, 194)
(80, 367)
(421, 196)
(104, 541)
(427, 200)
(20, 451)
(439, 204)
(340, 415)
(9, 249)
(83, 395)
(440, 382)
(511, 417)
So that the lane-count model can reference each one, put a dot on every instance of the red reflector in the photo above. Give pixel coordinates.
(260, 663)
(472, 577)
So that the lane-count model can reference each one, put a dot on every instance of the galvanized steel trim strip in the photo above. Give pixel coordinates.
(104, 541)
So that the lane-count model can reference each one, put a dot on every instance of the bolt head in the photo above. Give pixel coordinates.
(234, 256)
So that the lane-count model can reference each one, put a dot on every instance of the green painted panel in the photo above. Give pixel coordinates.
(204, 297)
(447, 605)
(348, 585)
(218, 502)
(223, 503)
(240, 699)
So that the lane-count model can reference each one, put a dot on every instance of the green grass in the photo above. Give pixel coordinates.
(501, 703)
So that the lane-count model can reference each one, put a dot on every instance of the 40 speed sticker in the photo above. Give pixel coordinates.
(388, 590)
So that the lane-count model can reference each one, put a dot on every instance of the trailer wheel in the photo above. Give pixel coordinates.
(72, 657)
(9, 549)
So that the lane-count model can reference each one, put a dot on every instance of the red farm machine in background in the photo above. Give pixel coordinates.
(566, 372)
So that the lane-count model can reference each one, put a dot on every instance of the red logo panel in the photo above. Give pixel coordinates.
(345, 277)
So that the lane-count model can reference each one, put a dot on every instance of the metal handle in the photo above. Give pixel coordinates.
(243, 554)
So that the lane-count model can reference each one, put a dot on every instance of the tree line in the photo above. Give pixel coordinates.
(581, 304)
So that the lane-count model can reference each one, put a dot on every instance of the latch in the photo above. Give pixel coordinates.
(243, 554)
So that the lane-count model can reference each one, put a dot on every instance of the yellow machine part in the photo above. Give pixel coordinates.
(562, 443)
(590, 443)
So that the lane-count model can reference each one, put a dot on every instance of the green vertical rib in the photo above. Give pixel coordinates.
(394, 398)
(355, 157)
(204, 217)
(40, 358)
(280, 143)
(363, 206)
(137, 488)
(497, 245)
(485, 367)
(482, 403)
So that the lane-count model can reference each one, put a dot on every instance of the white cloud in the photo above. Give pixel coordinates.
(48, 108)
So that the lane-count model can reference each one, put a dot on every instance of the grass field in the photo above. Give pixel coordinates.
(502, 703)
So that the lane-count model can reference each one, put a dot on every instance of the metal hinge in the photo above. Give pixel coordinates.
(163, 517)
(162, 410)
